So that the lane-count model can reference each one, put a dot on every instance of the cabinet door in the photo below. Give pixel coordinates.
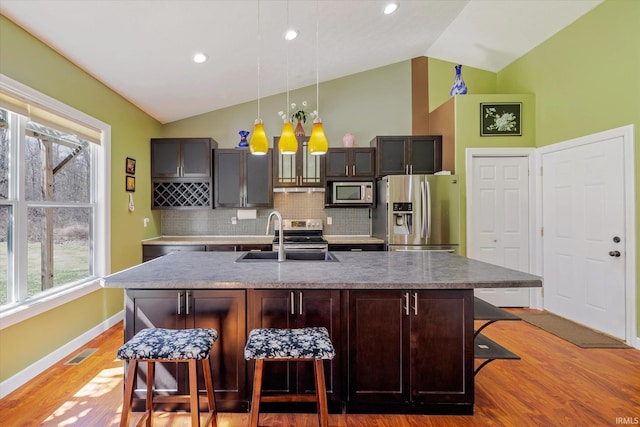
(363, 162)
(258, 181)
(300, 170)
(165, 158)
(228, 169)
(224, 310)
(156, 309)
(391, 154)
(425, 154)
(273, 309)
(196, 158)
(442, 346)
(378, 347)
(319, 308)
(337, 163)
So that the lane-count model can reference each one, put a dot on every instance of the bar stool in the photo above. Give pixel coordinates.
(157, 345)
(299, 345)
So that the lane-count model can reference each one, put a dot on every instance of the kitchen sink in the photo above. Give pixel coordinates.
(257, 256)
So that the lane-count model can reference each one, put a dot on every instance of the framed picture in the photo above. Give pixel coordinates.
(130, 183)
(501, 119)
(131, 166)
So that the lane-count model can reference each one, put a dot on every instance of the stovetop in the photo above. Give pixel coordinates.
(306, 231)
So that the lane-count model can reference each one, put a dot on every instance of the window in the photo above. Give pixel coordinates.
(53, 198)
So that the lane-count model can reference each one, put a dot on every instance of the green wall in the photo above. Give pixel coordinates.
(375, 102)
(31, 62)
(586, 80)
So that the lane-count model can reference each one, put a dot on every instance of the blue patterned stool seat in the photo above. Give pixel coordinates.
(169, 344)
(302, 343)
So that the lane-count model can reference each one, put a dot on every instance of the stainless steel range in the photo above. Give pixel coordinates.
(301, 235)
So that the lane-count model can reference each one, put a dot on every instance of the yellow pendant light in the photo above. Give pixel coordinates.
(318, 143)
(259, 143)
(288, 143)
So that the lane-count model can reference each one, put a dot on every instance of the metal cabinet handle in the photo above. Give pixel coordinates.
(415, 303)
(186, 301)
(406, 303)
(346, 170)
(179, 302)
(293, 303)
(300, 302)
(353, 170)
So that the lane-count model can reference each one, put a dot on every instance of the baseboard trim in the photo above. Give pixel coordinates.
(30, 372)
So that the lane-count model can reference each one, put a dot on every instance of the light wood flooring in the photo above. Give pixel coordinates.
(555, 384)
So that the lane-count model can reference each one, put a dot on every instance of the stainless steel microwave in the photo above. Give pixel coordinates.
(352, 192)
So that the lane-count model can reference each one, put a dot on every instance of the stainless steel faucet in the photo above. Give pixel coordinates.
(281, 240)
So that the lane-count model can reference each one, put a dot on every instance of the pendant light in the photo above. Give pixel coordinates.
(288, 143)
(318, 143)
(258, 144)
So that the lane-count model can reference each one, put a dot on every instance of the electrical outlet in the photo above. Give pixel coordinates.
(234, 220)
(329, 220)
(145, 222)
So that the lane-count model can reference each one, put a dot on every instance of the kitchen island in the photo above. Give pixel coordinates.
(401, 322)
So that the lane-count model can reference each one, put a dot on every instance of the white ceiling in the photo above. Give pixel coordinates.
(142, 49)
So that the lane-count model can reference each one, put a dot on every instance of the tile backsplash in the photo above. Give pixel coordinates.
(218, 222)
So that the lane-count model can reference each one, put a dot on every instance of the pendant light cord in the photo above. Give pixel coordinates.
(287, 61)
(317, 67)
(259, 42)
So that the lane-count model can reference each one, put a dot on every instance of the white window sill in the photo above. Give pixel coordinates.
(34, 307)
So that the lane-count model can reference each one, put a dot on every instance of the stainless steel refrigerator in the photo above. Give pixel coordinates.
(418, 212)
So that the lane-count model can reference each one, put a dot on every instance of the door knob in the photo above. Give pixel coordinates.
(614, 253)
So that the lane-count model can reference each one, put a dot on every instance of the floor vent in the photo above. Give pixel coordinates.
(81, 357)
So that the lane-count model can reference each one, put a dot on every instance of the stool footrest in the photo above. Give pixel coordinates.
(289, 398)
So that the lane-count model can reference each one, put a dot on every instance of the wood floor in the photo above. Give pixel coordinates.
(555, 384)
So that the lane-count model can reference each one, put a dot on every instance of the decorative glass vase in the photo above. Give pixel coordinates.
(243, 138)
(299, 130)
(459, 87)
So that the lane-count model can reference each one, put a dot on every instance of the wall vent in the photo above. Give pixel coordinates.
(81, 357)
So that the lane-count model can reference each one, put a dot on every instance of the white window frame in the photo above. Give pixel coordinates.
(102, 191)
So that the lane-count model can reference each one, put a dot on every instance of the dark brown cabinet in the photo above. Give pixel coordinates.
(411, 349)
(399, 155)
(181, 157)
(302, 169)
(181, 173)
(269, 308)
(347, 163)
(223, 310)
(150, 252)
(242, 180)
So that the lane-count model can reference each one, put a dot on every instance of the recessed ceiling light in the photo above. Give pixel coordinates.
(290, 35)
(390, 8)
(199, 58)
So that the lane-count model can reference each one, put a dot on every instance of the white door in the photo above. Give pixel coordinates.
(583, 220)
(499, 221)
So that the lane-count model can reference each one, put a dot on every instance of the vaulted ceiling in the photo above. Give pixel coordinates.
(143, 49)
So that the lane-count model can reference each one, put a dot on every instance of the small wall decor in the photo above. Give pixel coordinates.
(500, 119)
(130, 183)
(131, 166)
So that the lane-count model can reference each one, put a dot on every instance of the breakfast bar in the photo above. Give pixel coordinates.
(401, 322)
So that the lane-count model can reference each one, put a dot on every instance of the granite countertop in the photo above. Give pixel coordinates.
(258, 240)
(355, 270)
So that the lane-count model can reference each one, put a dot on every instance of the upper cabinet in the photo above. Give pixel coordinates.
(181, 173)
(400, 155)
(302, 169)
(347, 163)
(241, 179)
(181, 157)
